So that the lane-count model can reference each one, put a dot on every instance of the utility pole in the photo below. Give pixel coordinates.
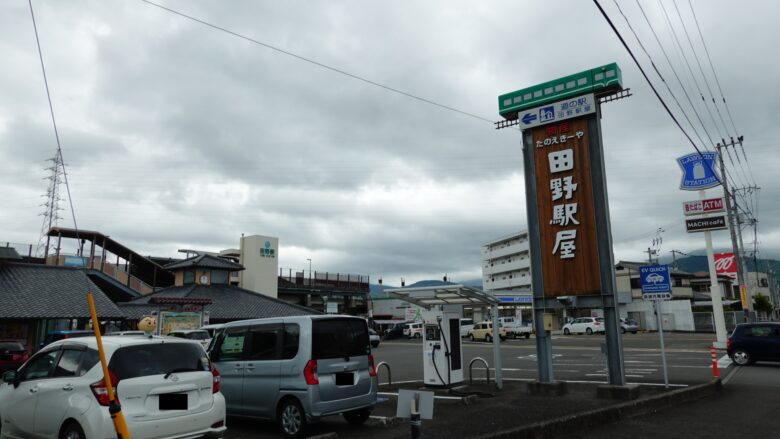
(732, 223)
(674, 257)
(650, 253)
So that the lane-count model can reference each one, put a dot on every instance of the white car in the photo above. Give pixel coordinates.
(167, 388)
(466, 325)
(587, 325)
(200, 335)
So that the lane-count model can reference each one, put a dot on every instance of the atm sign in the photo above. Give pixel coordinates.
(699, 207)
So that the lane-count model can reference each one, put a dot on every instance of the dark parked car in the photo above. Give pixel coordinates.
(12, 355)
(396, 331)
(751, 342)
(53, 336)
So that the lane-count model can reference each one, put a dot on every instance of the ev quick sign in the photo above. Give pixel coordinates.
(655, 282)
(698, 171)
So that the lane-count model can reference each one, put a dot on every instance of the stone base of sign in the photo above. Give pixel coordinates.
(624, 393)
(549, 388)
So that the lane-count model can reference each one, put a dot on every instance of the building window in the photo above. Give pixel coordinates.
(678, 282)
(219, 277)
(635, 283)
(189, 277)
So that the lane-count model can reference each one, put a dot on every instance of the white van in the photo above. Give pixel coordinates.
(466, 325)
(297, 370)
(413, 330)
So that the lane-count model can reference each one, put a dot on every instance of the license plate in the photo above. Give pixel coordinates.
(345, 379)
(173, 401)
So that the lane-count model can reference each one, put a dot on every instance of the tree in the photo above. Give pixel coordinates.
(761, 303)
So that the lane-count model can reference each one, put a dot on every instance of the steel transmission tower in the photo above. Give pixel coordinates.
(51, 212)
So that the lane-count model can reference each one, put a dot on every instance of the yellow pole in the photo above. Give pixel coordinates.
(114, 408)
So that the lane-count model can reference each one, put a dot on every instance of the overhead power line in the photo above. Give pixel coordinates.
(317, 63)
(53, 120)
(679, 81)
(649, 82)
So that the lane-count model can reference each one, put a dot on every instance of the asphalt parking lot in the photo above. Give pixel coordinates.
(577, 358)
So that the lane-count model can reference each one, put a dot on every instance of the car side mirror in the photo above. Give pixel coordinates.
(11, 377)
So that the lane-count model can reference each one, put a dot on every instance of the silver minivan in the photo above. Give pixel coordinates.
(296, 370)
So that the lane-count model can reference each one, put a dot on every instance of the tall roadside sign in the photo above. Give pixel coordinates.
(566, 199)
(699, 174)
(655, 282)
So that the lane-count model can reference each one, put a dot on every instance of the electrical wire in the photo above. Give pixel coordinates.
(704, 44)
(687, 64)
(650, 83)
(668, 88)
(54, 121)
(317, 63)
(696, 57)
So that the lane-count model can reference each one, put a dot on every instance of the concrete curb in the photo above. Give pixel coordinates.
(582, 421)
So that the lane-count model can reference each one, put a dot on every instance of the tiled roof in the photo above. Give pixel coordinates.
(9, 253)
(228, 303)
(205, 261)
(43, 291)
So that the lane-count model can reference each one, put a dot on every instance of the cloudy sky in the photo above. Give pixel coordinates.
(177, 135)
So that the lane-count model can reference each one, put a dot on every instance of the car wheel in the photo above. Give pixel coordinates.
(471, 337)
(292, 418)
(72, 431)
(741, 357)
(633, 332)
(417, 335)
(588, 331)
(488, 338)
(375, 345)
(622, 330)
(502, 338)
(566, 331)
(527, 335)
(357, 417)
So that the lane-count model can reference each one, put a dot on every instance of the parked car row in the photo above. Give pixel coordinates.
(593, 325)
(294, 370)
(166, 387)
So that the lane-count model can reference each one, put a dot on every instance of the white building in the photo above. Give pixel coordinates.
(506, 273)
(506, 265)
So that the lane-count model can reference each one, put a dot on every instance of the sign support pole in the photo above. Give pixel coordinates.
(544, 362)
(616, 367)
(661, 337)
(717, 304)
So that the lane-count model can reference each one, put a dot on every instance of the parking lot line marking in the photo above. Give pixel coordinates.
(599, 382)
(401, 382)
(724, 362)
(458, 398)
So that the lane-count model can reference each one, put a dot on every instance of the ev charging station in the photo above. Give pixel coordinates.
(442, 355)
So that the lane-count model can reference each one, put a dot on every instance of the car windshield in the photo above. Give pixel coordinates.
(339, 338)
(157, 359)
(197, 335)
(7, 346)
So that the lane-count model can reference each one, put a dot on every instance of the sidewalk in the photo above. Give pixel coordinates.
(510, 412)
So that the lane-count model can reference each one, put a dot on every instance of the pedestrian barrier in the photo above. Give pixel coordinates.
(389, 375)
(714, 354)
(487, 369)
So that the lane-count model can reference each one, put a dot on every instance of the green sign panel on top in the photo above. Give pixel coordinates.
(599, 80)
